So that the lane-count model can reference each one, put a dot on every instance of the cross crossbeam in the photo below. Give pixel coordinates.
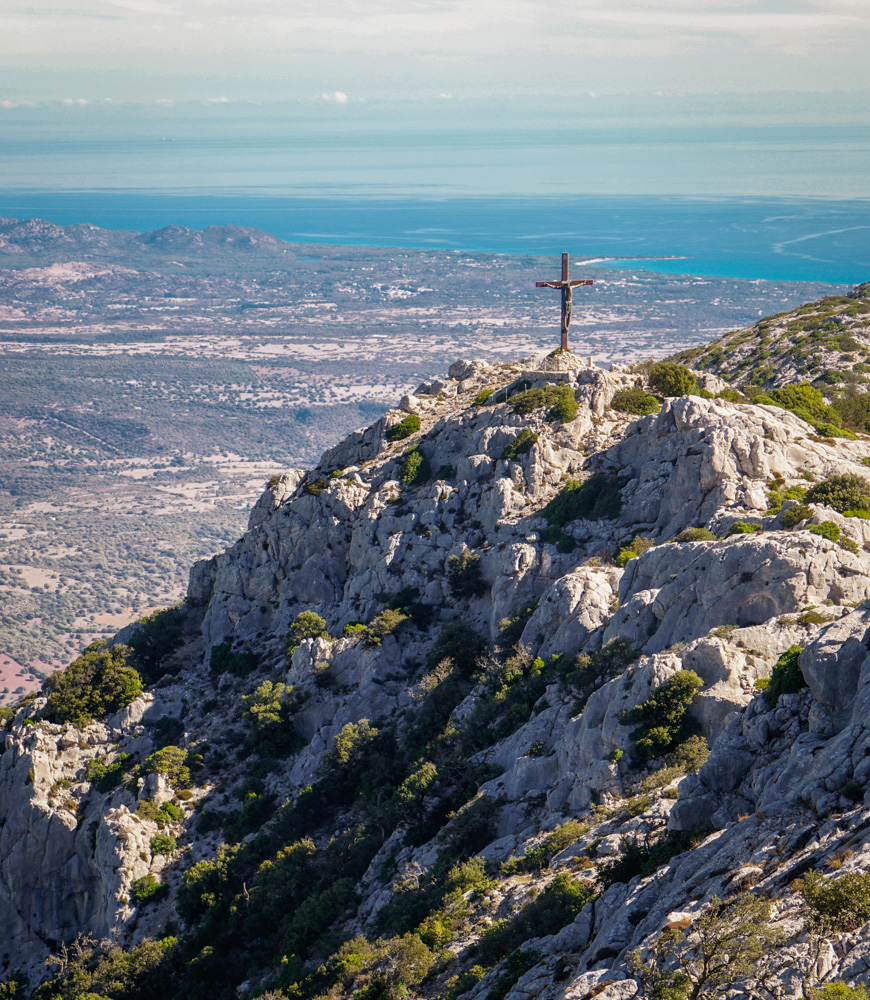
(566, 286)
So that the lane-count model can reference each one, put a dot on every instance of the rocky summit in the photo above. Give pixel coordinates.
(550, 683)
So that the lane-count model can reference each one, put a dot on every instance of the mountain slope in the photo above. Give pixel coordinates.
(475, 708)
(828, 341)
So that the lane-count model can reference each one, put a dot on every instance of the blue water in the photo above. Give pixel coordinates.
(751, 238)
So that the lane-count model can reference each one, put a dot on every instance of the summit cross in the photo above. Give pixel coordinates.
(567, 288)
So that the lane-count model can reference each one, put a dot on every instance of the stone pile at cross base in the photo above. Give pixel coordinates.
(338, 538)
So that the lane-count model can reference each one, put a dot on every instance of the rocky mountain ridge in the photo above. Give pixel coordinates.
(448, 704)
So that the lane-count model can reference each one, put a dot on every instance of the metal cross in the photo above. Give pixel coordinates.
(567, 288)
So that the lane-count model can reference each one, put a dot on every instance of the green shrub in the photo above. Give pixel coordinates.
(530, 400)
(689, 756)
(669, 379)
(98, 683)
(589, 671)
(827, 529)
(803, 397)
(631, 551)
(224, 659)
(405, 428)
(268, 711)
(548, 913)
(520, 445)
(171, 763)
(163, 843)
(695, 535)
(837, 904)
(483, 396)
(386, 623)
(662, 718)
(598, 497)
(844, 492)
(786, 677)
(306, 625)
(105, 777)
(147, 889)
(565, 406)
(538, 858)
(742, 528)
(634, 400)
(838, 991)
(792, 517)
(415, 468)
(850, 545)
(155, 640)
(464, 575)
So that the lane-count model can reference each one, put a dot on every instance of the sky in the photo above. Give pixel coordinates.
(347, 51)
(674, 97)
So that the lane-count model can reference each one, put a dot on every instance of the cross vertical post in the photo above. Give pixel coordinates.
(566, 287)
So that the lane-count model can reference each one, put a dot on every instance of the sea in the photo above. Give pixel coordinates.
(748, 238)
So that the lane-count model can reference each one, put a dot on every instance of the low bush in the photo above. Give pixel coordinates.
(464, 575)
(596, 498)
(837, 904)
(105, 777)
(93, 686)
(414, 467)
(669, 379)
(786, 677)
(483, 396)
(538, 858)
(268, 711)
(521, 445)
(742, 528)
(548, 913)
(793, 516)
(147, 889)
(306, 625)
(631, 551)
(171, 762)
(155, 640)
(695, 535)
(662, 719)
(843, 493)
(404, 429)
(226, 660)
(827, 529)
(560, 400)
(386, 623)
(635, 401)
(163, 843)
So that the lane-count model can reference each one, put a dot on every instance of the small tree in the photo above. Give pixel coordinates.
(464, 575)
(669, 379)
(843, 493)
(729, 945)
(171, 763)
(405, 428)
(307, 625)
(94, 685)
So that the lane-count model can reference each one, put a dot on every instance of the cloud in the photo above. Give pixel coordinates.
(75, 101)
(338, 96)
(218, 100)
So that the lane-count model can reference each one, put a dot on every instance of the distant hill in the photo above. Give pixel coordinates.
(826, 342)
(24, 242)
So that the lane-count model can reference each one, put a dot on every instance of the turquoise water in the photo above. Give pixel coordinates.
(750, 238)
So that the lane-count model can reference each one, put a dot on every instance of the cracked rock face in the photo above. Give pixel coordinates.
(784, 785)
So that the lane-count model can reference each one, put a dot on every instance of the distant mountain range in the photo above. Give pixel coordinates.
(26, 241)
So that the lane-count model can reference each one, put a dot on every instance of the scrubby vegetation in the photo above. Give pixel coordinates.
(598, 497)
(635, 548)
(404, 428)
(521, 445)
(635, 401)
(662, 719)
(464, 573)
(560, 400)
(844, 493)
(414, 467)
(670, 379)
(786, 677)
(98, 683)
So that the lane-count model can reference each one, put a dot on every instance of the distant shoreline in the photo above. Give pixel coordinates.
(775, 239)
